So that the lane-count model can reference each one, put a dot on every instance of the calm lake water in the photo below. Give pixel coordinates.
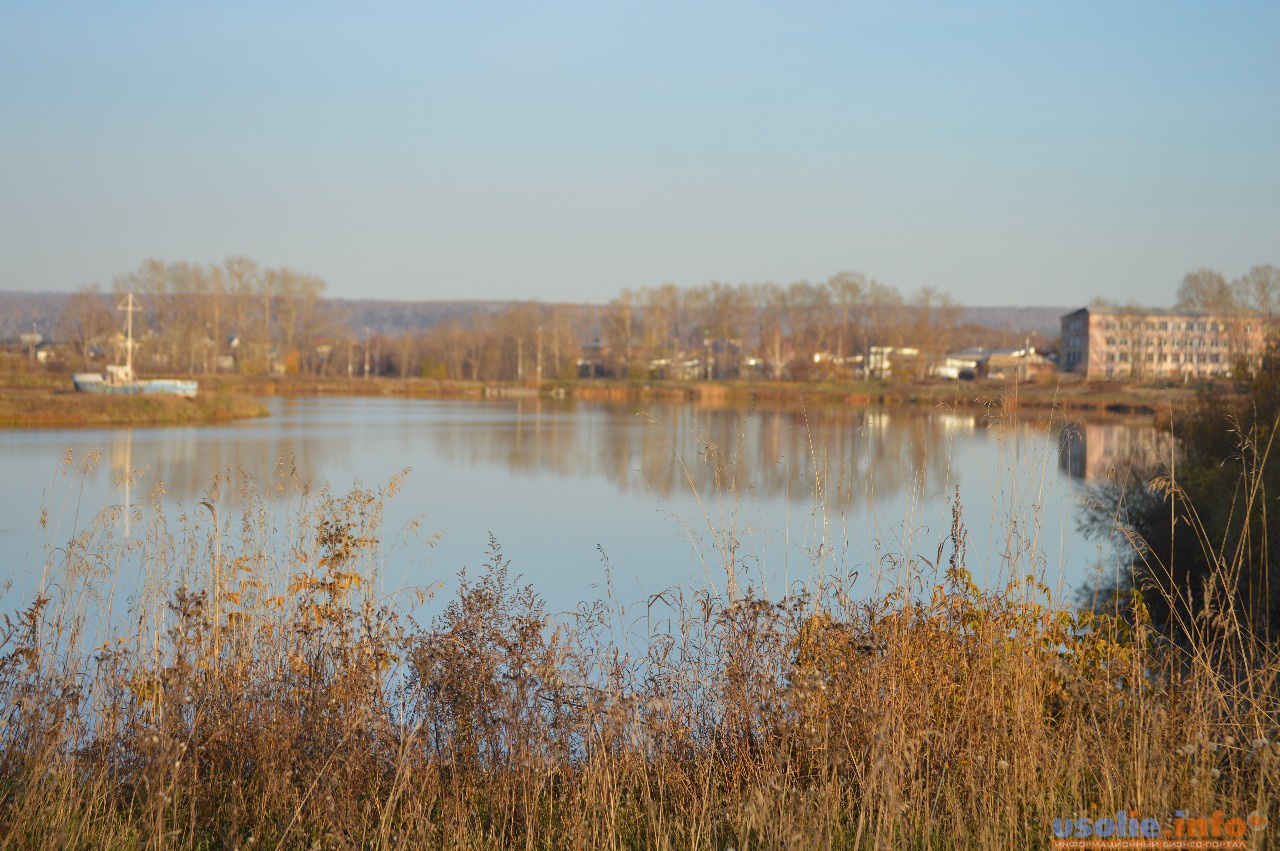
(639, 496)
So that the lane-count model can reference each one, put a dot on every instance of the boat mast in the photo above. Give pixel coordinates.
(129, 306)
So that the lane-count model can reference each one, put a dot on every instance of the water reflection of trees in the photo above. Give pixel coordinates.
(851, 453)
(186, 462)
(854, 454)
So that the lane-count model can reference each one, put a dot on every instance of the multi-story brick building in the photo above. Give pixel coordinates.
(1158, 343)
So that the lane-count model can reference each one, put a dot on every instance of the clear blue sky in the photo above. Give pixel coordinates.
(1021, 152)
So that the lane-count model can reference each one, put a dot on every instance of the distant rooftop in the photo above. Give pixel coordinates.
(1157, 311)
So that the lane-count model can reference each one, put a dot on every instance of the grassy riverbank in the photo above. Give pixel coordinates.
(45, 407)
(263, 690)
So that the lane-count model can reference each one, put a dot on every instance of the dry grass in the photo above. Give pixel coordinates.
(40, 407)
(259, 691)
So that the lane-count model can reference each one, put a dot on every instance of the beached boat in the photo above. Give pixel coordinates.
(120, 378)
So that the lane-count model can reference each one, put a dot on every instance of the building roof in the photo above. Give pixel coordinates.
(1163, 311)
(980, 354)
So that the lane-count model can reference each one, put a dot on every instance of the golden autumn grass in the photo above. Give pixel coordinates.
(41, 407)
(258, 690)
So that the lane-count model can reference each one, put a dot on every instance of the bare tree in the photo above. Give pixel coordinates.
(1205, 291)
(214, 310)
(774, 321)
(86, 320)
(243, 277)
(1259, 290)
(811, 317)
(619, 328)
(883, 316)
(934, 317)
(847, 289)
(297, 298)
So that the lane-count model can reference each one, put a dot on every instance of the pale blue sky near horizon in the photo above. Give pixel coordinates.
(1006, 152)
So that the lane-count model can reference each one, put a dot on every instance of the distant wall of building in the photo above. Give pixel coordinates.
(1126, 344)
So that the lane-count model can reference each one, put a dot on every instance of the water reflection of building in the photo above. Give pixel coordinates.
(1093, 451)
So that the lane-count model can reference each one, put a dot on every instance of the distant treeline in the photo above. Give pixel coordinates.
(241, 316)
(244, 317)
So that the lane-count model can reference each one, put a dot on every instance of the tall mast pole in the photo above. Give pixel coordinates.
(129, 306)
(129, 345)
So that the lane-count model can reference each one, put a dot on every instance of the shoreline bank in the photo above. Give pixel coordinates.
(42, 407)
(1070, 397)
(38, 401)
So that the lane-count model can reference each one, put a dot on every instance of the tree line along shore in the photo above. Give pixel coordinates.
(245, 330)
(240, 317)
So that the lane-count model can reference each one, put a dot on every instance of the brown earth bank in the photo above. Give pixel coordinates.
(1075, 397)
(1063, 394)
(46, 399)
(45, 407)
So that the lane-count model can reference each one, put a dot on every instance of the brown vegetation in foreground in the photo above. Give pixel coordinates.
(260, 691)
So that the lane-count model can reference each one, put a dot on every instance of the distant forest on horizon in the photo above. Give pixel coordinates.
(20, 309)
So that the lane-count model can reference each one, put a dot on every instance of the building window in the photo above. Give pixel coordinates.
(1202, 328)
(1110, 326)
(1111, 358)
(1164, 326)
